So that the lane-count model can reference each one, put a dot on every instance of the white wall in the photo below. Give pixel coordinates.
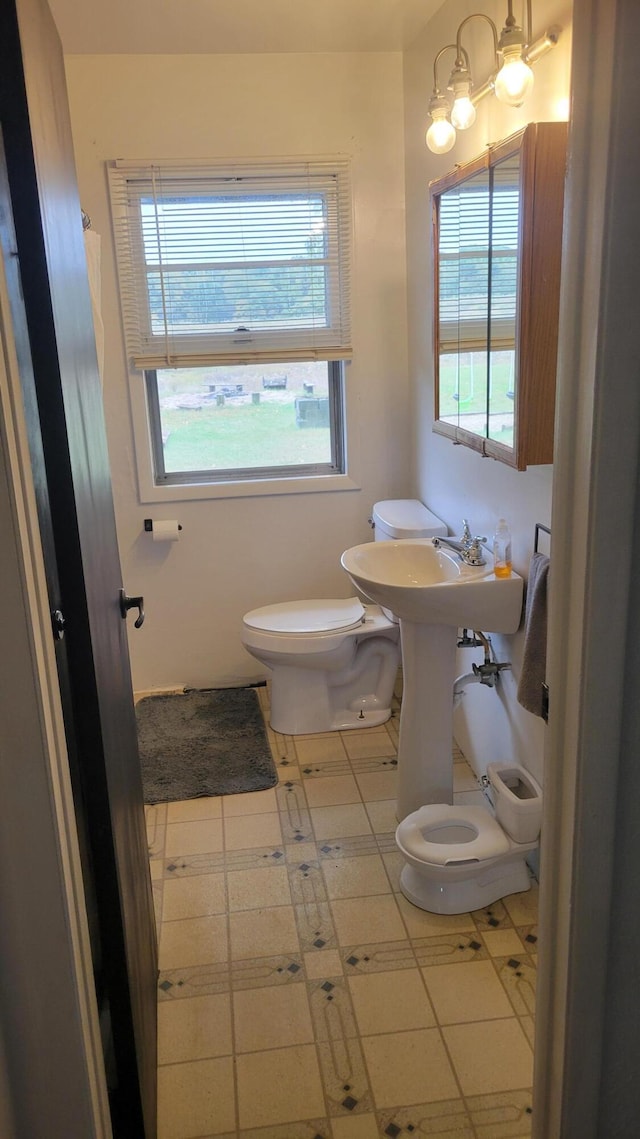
(235, 554)
(454, 481)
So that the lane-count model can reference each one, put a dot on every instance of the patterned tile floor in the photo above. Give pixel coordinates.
(301, 996)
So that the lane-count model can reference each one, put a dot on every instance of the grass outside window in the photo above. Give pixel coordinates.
(233, 422)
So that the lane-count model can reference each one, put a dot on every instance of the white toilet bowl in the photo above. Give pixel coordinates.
(333, 663)
(460, 859)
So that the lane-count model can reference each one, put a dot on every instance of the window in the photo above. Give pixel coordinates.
(251, 421)
(234, 286)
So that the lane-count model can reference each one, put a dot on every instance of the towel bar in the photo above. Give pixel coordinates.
(539, 527)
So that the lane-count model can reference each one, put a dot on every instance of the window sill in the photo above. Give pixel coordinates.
(188, 492)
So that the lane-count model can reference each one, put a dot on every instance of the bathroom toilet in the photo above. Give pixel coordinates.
(334, 662)
(460, 859)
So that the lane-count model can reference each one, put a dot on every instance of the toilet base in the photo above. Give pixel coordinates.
(303, 719)
(447, 890)
(344, 719)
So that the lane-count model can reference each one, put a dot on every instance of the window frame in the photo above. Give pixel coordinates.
(213, 476)
(125, 180)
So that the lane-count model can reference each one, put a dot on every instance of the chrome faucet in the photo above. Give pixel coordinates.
(467, 547)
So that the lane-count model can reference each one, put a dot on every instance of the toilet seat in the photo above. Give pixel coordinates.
(317, 616)
(310, 628)
(429, 835)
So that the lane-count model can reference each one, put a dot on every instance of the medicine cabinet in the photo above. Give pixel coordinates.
(497, 243)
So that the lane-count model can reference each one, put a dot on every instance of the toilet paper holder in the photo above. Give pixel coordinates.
(148, 525)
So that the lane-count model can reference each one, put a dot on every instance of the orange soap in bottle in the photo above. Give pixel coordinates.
(502, 549)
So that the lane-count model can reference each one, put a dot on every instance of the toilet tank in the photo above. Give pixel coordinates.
(405, 518)
(518, 801)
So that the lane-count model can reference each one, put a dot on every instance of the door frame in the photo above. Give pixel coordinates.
(52, 1054)
(587, 1010)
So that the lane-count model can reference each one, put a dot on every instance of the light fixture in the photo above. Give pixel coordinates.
(463, 112)
(515, 78)
(441, 135)
(511, 80)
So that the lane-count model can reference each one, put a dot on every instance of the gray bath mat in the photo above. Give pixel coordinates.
(203, 743)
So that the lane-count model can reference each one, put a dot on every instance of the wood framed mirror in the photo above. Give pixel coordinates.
(497, 244)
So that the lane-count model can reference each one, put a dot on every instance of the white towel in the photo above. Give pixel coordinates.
(534, 658)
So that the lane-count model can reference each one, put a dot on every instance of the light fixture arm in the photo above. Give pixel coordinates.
(543, 44)
(448, 47)
(529, 22)
(460, 52)
(511, 21)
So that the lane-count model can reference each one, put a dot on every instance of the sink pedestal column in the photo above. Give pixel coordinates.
(425, 762)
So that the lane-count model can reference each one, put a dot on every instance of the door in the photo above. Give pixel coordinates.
(42, 237)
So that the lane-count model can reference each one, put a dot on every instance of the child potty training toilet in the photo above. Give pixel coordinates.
(460, 859)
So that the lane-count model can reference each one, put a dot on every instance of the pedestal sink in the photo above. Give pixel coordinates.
(433, 593)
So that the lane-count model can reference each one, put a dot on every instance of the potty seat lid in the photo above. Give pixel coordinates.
(321, 616)
(437, 834)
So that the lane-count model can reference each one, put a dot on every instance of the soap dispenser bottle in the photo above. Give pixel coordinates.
(502, 549)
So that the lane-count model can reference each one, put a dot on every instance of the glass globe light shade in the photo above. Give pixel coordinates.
(441, 135)
(463, 113)
(514, 79)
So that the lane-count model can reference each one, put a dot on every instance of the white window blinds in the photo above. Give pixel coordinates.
(234, 264)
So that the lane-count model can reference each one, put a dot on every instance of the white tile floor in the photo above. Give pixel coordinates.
(301, 995)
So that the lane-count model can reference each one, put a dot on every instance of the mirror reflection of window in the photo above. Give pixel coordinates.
(478, 266)
(463, 298)
(503, 285)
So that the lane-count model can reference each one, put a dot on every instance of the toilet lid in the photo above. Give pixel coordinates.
(442, 835)
(406, 518)
(321, 616)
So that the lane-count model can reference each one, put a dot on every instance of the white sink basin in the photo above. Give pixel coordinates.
(429, 585)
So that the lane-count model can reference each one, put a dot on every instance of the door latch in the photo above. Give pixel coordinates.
(127, 603)
(58, 622)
